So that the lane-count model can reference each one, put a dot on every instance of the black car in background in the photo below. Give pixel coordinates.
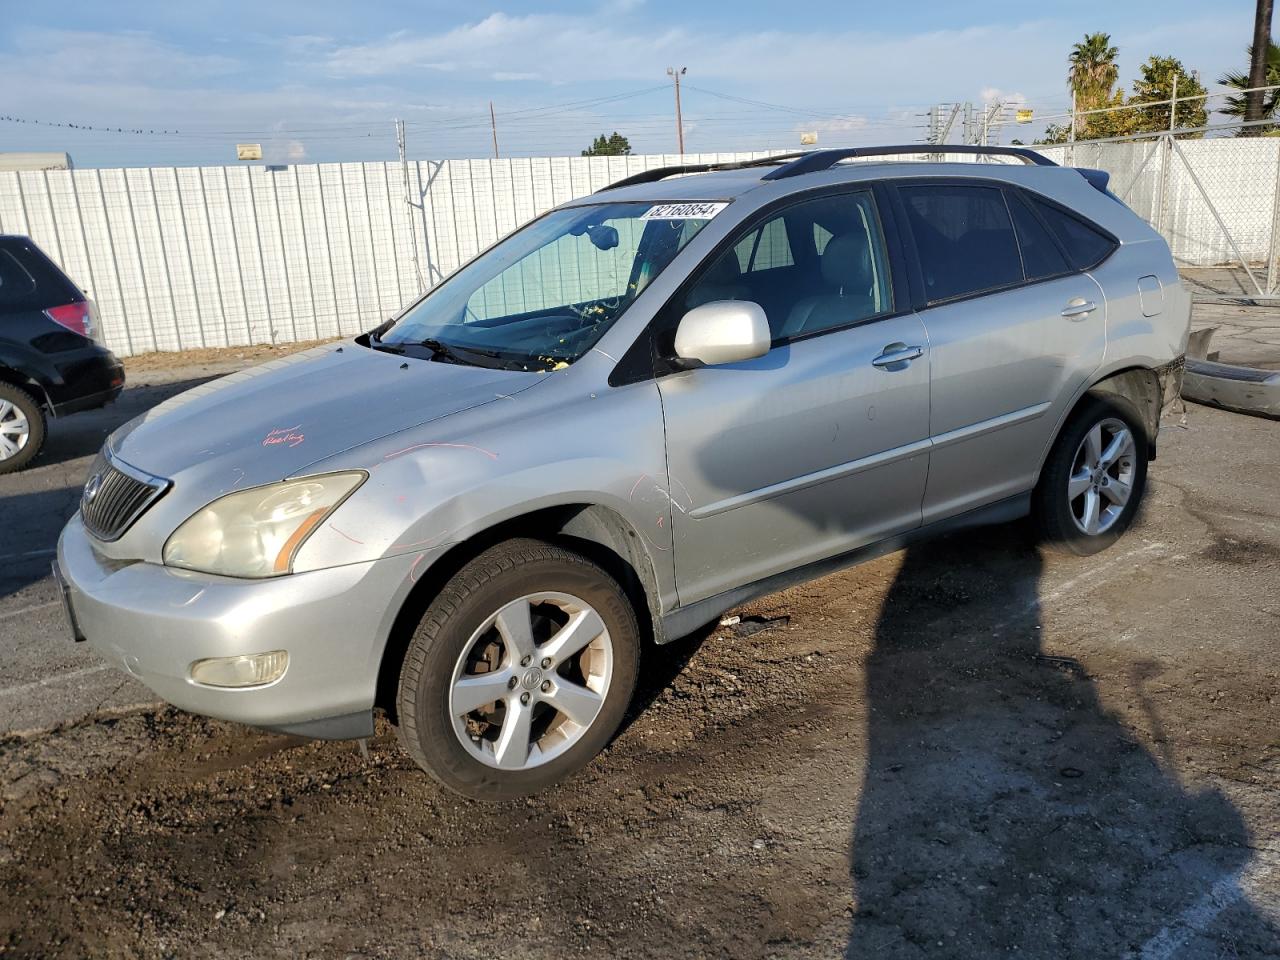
(51, 363)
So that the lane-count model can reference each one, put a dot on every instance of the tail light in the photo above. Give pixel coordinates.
(80, 317)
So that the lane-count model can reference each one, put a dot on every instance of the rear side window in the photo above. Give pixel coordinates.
(1085, 245)
(1041, 257)
(29, 280)
(16, 285)
(964, 237)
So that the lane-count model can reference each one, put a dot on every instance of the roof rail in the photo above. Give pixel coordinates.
(816, 160)
(661, 173)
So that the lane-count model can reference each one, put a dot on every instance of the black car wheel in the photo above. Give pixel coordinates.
(22, 428)
(1094, 477)
(520, 671)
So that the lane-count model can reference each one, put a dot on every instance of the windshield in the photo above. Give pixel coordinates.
(545, 295)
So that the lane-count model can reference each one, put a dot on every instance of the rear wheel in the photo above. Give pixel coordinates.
(520, 671)
(22, 428)
(1094, 478)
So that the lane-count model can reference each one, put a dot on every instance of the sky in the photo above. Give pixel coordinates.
(319, 81)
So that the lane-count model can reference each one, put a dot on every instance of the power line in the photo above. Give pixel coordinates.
(85, 126)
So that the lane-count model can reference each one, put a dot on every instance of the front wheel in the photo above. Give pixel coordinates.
(1094, 477)
(519, 672)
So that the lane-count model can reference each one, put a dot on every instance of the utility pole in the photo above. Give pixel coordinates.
(409, 205)
(493, 125)
(1071, 132)
(1258, 61)
(676, 74)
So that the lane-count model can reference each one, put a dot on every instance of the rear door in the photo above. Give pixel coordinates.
(821, 445)
(1015, 327)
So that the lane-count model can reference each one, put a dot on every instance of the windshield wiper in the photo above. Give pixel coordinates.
(378, 344)
(444, 351)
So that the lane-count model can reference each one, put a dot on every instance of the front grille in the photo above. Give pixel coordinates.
(115, 495)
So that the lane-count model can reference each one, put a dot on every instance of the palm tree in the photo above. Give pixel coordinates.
(1093, 71)
(1238, 106)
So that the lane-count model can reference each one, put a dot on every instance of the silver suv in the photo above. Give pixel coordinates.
(640, 410)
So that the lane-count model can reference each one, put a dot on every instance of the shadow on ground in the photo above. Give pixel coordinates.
(1005, 810)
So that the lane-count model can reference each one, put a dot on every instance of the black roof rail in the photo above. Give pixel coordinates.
(661, 173)
(816, 160)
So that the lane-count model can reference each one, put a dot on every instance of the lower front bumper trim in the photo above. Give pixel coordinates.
(349, 726)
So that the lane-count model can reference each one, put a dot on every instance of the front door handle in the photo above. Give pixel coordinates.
(897, 353)
(1079, 307)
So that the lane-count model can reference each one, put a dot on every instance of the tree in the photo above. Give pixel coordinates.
(1156, 83)
(1258, 60)
(615, 145)
(1092, 71)
(1238, 105)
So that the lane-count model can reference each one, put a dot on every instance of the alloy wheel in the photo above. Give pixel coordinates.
(531, 680)
(1102, 474)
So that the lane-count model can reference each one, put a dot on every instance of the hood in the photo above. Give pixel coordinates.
(272, 421)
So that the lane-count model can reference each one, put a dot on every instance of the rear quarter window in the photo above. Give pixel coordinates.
(16, 284)
(29, 280)
(1086, 245)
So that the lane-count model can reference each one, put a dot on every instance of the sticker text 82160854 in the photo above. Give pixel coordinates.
(698, 210)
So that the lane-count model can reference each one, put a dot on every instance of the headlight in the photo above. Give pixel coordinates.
(257, 532)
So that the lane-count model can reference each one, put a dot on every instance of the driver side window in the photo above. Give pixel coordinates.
(818, 265)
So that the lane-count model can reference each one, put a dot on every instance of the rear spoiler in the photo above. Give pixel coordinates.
(1098, 179)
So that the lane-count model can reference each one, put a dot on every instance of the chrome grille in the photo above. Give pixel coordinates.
(115, 495)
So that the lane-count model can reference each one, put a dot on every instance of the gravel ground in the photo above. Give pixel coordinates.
(963, 750)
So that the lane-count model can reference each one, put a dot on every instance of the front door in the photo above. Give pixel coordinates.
(819, 446)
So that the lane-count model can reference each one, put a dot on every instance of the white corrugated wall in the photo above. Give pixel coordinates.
(186, 257)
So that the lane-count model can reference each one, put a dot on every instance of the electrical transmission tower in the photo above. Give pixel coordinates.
(941, 119)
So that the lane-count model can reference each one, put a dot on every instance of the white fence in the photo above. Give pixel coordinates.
(185, 257)
(188, 257)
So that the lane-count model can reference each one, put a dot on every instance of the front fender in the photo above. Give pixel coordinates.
(429, 489)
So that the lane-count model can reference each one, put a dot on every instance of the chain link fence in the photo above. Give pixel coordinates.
(1214, 200)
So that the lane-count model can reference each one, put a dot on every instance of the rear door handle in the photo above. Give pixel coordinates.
(896, 353)
(1079, 307)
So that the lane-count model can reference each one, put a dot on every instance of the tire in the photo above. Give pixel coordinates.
(22, 428)
(459, 650)
(1063, 522)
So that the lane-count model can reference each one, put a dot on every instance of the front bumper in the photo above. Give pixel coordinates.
(154, 621)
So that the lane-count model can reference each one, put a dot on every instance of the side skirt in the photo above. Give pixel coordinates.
(684, 620)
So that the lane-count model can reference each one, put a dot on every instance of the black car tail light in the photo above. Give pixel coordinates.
(77, 317)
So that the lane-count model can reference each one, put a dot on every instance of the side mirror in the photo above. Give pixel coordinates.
(724, 331)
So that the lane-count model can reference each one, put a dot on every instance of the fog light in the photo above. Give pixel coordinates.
(253, 670)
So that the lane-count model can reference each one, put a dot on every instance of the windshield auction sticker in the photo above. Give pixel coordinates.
(684, 211)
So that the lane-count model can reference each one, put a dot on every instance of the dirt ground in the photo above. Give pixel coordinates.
(211, 359)
(963, 750)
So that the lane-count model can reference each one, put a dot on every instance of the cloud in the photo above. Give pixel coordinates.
(84, 55)
(333, 91)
